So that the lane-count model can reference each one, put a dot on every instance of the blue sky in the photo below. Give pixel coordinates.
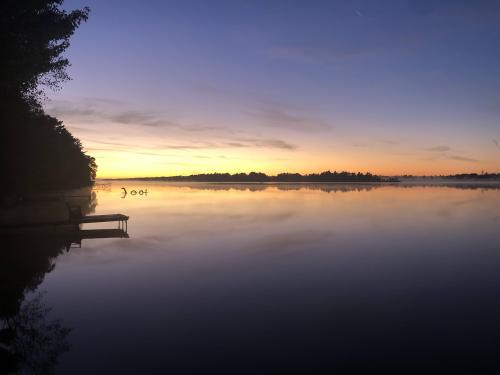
(199, 86)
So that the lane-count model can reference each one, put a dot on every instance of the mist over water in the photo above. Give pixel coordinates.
(259, 278)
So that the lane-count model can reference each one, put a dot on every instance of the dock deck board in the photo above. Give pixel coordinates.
(72, 221)
(99, 218)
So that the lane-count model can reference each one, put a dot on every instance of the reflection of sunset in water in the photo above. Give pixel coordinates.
(379, 267)
(221, 209)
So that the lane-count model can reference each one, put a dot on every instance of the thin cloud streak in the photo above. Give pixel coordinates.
(463, 158)
(439, 148)
(91, 112)
(235, 143)
(279, 117)
(264, 143)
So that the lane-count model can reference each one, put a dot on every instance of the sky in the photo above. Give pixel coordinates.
(162, 88)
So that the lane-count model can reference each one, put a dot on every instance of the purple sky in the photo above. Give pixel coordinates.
(178, 87)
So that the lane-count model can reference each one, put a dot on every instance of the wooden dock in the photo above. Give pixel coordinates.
(120, 218)
(63, 237)
(86, 234)
(75, 221)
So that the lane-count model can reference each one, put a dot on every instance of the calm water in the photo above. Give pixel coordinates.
(265, 279)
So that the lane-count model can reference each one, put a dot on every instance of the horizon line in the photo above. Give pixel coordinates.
(483, 173)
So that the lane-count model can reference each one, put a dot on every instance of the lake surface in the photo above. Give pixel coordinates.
(270, 279)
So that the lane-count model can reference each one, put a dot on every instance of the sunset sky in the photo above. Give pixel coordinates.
(165, 88)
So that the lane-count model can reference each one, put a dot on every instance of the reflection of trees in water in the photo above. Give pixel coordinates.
(90, 208)
(460, 186)
(29, 341)
(32, 341)
(330, 187)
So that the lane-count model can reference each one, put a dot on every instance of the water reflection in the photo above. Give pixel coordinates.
(325, 187)
(31, 340)
(282, 279)
(256, 187)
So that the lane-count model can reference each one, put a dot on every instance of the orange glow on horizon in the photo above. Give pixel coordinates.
(128, 165)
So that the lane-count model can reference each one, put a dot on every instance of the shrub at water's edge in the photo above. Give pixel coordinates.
(37, 152)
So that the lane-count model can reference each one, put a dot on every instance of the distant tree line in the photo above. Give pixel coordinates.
(485, 176)
(282, 177)
(36, 150)
(474, 176)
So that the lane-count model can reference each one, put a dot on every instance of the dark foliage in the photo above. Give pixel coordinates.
(36, 150)
(33, 36)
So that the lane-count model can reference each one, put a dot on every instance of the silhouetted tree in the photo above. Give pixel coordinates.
(36, 150)
(34, 34)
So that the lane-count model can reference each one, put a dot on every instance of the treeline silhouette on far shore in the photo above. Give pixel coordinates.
(485, 176)
(475, 176)
(282, 177)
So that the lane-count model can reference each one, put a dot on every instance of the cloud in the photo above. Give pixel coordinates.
(108, 143)
(376, 31)
(439, 148)
(388, 141)
(269, 112)
(99, 100)
(149, 153)
(99, 111)
(262, 143)
(234, 143)
(496, 143)
(465, 10)
(80, 129)
(196, 145)
(208, 88)
(208, 129)
(111, 111)
(338, 50)
(463, 158)
(273, 115)
(319, 54)
(96, 112)
(139, 118)
(358, 12)
(186, 146)
(424, 7)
